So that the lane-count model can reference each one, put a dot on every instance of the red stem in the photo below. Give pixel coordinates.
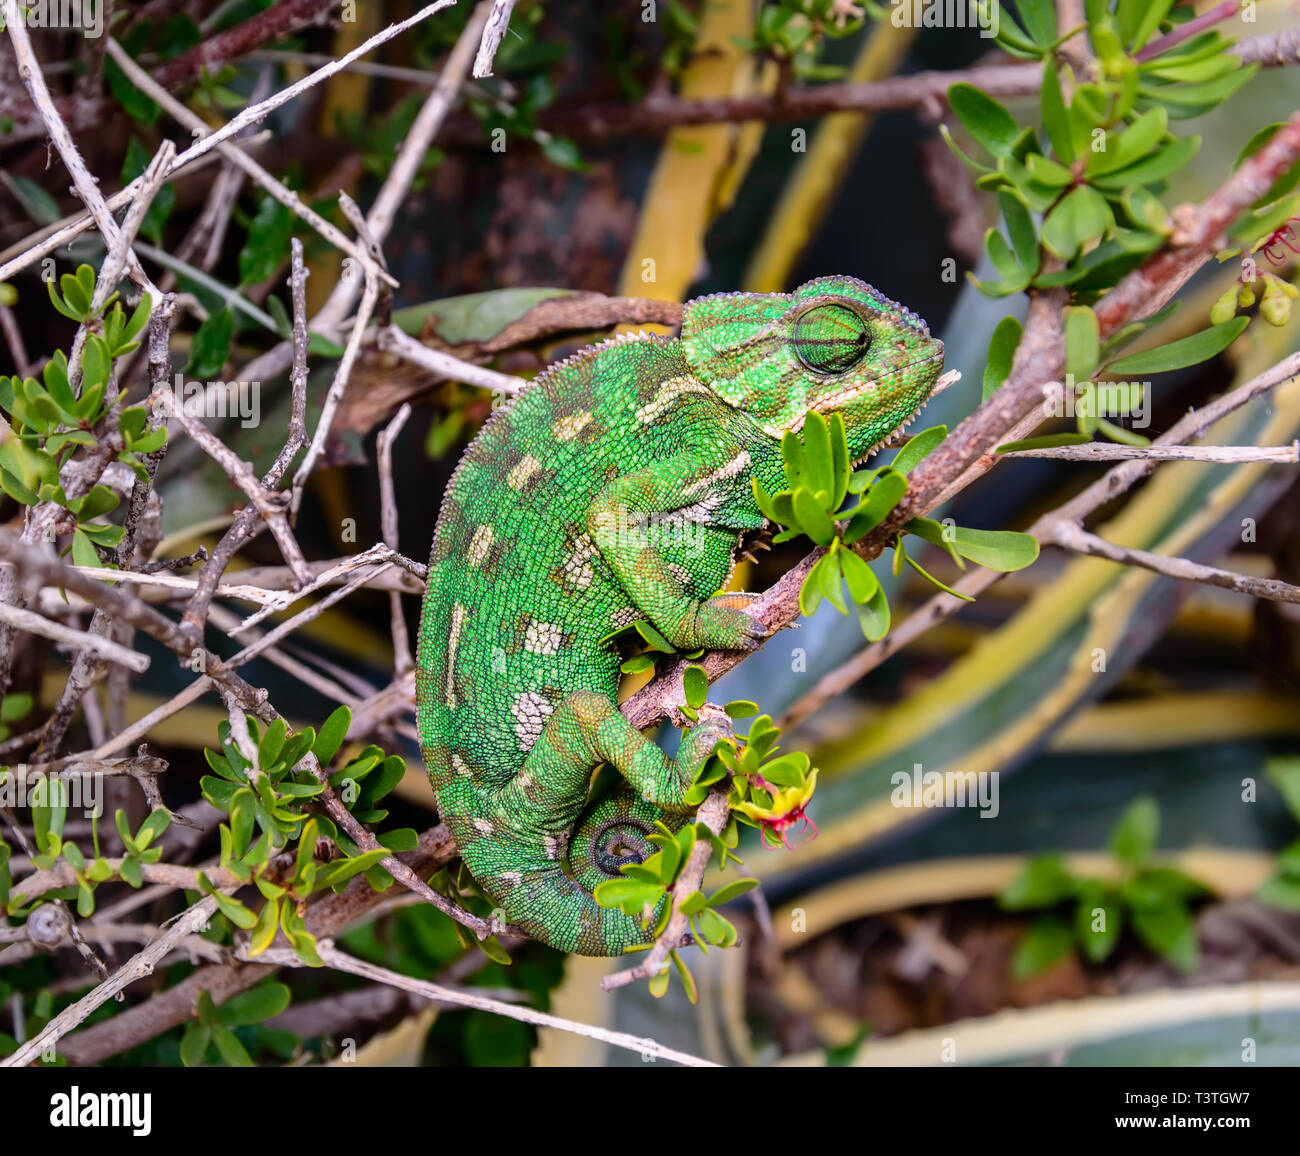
(1188, 30)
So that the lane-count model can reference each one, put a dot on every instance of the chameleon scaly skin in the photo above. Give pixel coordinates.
(618, 487)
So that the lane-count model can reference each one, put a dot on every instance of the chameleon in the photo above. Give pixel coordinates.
(616, 487)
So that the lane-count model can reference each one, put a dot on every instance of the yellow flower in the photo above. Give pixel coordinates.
(788, 807)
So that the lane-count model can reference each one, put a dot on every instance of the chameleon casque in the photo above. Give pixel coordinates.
(617, 487)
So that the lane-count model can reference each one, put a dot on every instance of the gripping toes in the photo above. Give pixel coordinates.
(723, 623)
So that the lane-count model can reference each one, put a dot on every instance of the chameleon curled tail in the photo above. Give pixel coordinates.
(540, 852)
(617, 487)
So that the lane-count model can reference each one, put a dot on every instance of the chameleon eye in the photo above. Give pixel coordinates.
(831, 339)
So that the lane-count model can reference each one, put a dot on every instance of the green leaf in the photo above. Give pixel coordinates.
(97, 503)
(1155, 166)
(36, 202)
(331, 735)
(1082, 342)
(1047, 943)
(235, 911)
(230, 1049)
(818, 465)
(732, 890)
(885, 493)
(695, 682)
(1047, 441)
(1170, 932)
(1056, 120)
(211, 345)
(1134, 836)
(131, 871)
(1253, 226)
(716, 929)
(1283, 893)
(1020, 230)
(915, 449)
(1134, 143)
(1143, 18)
(83, 550)
(984, 118)
(194, 1040)
(813, 519)
(874, 616)
(1043, 883)
(267, 244)
(253, 1006)
(138, 106)
(1002, 550)
(1081, 216)
(1098, 919)
(862, 583)
(1001, 354)
(1285, 774)
(1184, 352)
(1039, 20)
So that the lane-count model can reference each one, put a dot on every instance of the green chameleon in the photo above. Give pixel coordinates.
(618, 487)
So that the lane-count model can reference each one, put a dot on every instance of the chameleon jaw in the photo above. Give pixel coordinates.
(896, 436)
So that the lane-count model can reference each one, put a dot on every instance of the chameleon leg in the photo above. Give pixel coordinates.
(588, 729)
(617, 520)
(534, 813)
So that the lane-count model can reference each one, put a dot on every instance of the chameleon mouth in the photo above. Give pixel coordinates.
(895, 436)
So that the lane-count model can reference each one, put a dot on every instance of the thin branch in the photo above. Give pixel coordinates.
(240, 159)
(252, 115)
(135, 968)
(79, 639)
(388, 507)
(1110, 452)
(498, 22)
(393, 340)
(461, 997)
(1070, 536)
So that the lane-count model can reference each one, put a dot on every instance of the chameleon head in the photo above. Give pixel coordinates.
(834, 345)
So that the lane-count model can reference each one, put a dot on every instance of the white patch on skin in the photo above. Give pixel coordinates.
(480, 544)
(577, 567)
(483, 827)
(568, 428)
(552, 846)
(514, 878)
(669, 391)
(528, 465)
(461, 767)
(701, 512)
(458, 613)
(530, 711)
(629, 614)
(542, 637)
(730, 470)
(524, 781)
(683, 575)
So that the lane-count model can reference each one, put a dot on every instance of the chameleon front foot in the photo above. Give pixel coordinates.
(723, 623)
